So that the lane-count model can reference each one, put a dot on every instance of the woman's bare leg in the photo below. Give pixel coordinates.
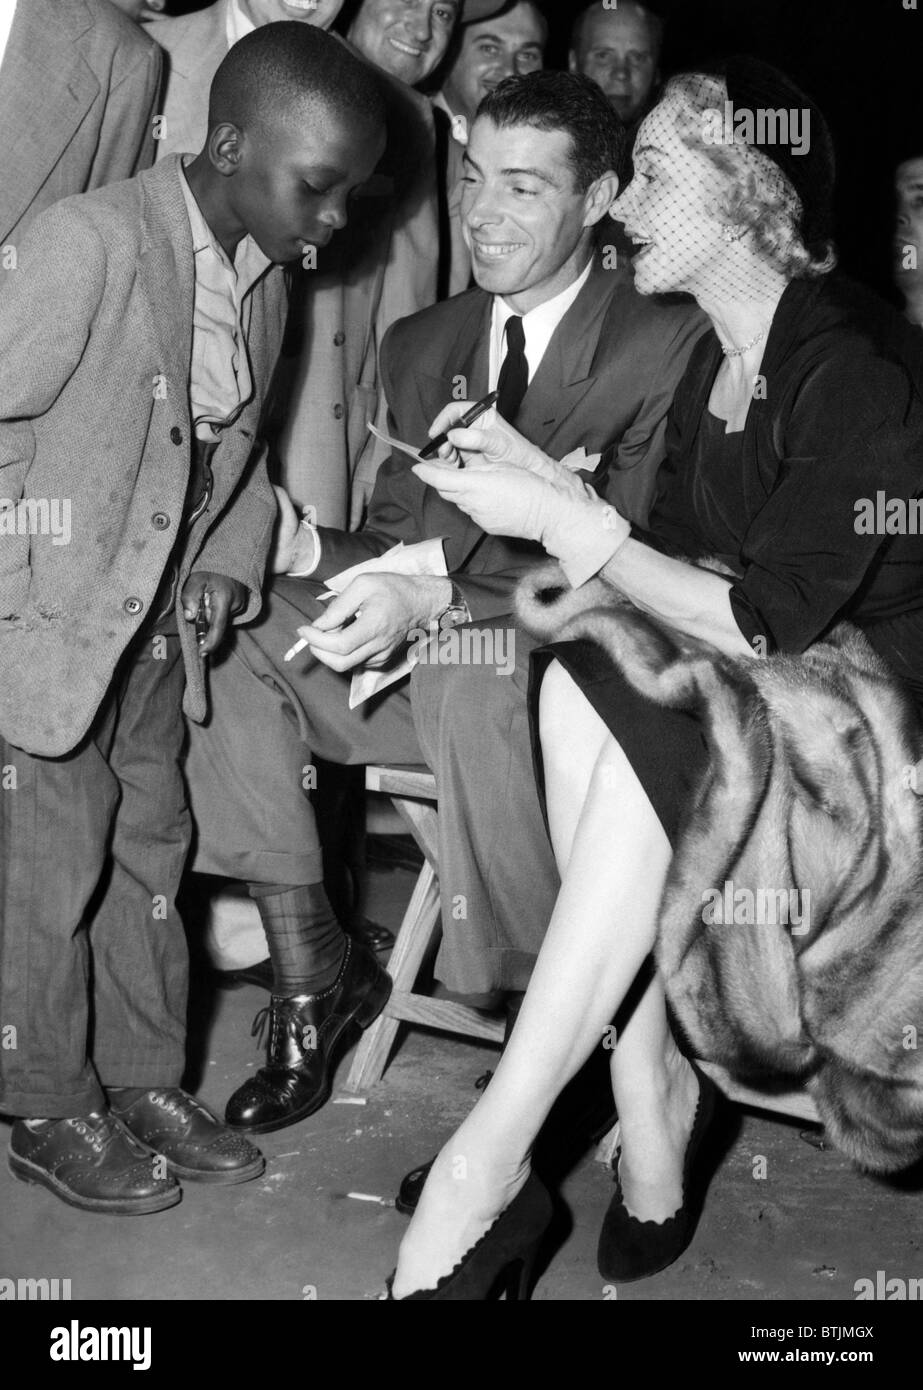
(652, 1083)
(655, 1094)
(601, 931)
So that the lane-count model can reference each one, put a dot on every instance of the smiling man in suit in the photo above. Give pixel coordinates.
(580, 359)
(78, 89)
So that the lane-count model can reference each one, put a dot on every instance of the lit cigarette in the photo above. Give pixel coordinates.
(301, 643)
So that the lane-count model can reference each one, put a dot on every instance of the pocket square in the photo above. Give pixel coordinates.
(579, 461)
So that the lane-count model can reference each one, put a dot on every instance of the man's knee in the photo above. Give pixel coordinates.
(463, 690)
(287, 605)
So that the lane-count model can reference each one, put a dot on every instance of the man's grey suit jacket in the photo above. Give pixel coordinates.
(79, 85)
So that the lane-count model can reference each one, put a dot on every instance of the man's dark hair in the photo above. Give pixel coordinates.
(286, 69)
(655, 26)
(511, 5)
(457, 40)
(568, 102)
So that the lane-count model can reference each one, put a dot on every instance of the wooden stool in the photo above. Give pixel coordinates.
(413, 794)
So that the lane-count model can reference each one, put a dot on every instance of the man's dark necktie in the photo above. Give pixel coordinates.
(514, 374)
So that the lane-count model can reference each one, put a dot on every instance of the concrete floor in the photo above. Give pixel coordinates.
(808, 1230)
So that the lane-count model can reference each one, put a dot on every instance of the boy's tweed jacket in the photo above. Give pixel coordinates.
(808, 790)
(95, 350)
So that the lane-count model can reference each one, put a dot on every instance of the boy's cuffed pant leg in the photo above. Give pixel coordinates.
(140, 958)
(55, 819)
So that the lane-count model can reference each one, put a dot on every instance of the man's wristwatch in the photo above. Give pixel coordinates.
(457, 611)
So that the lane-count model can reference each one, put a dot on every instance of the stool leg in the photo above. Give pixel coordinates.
(422, 820)
(420, 921)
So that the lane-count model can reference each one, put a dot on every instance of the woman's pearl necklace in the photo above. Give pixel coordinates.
(739, 351)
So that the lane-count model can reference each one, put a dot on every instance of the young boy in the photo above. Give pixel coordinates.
(138, 331)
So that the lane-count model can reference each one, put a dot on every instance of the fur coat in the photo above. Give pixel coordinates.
(808, 794)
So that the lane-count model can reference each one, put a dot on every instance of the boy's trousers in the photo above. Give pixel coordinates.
(93, 959)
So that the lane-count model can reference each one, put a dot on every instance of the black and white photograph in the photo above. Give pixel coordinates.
(461, 672)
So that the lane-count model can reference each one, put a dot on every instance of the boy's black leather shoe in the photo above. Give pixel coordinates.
(194, 1142)
(89, 1161)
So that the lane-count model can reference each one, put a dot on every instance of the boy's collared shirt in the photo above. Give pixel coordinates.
(220, 381)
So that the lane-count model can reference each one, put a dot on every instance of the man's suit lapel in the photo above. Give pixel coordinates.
(565, 374)
(46, 89)
(469, 360)
(466, 365)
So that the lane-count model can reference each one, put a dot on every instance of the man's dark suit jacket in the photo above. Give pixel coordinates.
(606, 383)
(78, 90)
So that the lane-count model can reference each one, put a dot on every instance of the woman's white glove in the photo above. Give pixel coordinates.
(510, 488)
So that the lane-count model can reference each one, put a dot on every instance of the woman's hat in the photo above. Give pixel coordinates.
(806, 158)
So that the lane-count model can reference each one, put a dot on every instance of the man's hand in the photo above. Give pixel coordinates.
(370, 621)
(223, 597)
(294, 546)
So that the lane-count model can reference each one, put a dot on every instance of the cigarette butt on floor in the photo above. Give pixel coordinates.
(368, 1197)
(350, 1100)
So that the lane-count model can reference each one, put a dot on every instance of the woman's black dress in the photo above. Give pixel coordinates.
(834, 433)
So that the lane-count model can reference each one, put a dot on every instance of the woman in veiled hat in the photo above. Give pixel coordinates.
(797, 406)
